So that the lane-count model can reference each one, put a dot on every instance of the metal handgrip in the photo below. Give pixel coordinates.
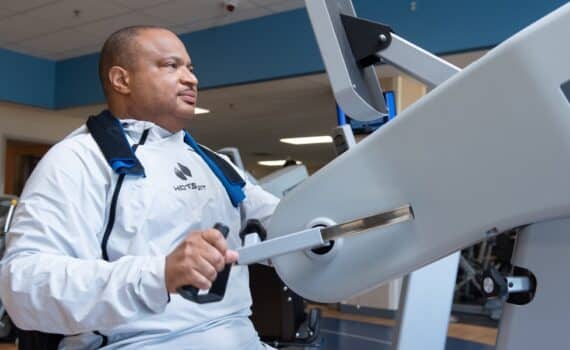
(218, 289)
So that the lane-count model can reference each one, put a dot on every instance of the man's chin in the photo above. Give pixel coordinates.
(185, 118)
(186, 112)
(183, 110)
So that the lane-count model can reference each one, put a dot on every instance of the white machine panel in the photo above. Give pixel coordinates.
(486, 151)
(280, 182)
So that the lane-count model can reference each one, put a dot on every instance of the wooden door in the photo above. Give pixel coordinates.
(21, 158)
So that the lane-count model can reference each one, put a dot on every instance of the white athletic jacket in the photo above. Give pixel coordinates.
(53, 278)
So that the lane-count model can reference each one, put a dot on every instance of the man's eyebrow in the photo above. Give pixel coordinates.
(178, 59)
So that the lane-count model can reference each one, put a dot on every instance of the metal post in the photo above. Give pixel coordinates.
(425, 306)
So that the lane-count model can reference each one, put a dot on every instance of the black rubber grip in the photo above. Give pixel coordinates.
(253, 226)
(218, 289)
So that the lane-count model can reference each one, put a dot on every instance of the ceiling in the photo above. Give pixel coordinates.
(254, 117)
(59, 29)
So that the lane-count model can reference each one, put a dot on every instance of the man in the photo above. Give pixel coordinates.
(53, 277)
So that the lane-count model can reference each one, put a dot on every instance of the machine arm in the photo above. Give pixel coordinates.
(486, 151)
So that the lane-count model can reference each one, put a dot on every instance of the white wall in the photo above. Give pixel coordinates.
(19, 122)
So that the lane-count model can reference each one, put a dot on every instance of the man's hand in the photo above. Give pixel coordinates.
(197, 260)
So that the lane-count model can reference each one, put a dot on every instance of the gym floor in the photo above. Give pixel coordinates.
(348, 331)
(341, 331)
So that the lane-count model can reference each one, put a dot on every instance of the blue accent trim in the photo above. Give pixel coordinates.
(234, 189)
(26, 80)
(340, 116)
(117, 164)
(277, 46)
(390, 98)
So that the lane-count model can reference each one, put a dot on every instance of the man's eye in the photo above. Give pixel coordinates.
(172, 65)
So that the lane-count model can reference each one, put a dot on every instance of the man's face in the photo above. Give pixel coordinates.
(163, 87)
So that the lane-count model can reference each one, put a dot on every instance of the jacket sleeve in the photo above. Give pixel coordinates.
(259, 204)
(52, 277)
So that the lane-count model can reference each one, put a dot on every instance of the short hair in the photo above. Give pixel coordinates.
(118, 51)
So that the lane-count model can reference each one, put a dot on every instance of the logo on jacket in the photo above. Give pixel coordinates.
(182, 172)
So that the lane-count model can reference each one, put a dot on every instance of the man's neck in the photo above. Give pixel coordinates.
(166, 123)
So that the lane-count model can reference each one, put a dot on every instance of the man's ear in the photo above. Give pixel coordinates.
(119, 80)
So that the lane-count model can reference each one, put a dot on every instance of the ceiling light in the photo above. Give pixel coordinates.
(199, 110)
(307, 140)
(279, 162)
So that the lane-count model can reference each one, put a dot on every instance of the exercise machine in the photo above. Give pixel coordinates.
(485, 151)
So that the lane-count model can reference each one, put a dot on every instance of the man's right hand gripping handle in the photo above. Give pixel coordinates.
(201, 261)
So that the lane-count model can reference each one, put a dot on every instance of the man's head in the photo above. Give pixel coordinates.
(147, 74)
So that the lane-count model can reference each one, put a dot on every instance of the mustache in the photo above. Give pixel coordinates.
(187, 91)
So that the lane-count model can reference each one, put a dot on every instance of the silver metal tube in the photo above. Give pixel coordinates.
(417, 62)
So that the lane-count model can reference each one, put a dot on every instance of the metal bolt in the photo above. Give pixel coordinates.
(289, 299)
(383, 38)
(492, 232)
(488, 285)
(285, 289)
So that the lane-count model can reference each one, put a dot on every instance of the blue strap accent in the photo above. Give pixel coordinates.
(117, 164)
(233, 188)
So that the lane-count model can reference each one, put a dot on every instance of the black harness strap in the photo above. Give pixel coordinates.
(110, 137)
(224, 166)
(113, 209)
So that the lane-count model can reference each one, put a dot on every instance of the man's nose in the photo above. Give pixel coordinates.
(188, 77)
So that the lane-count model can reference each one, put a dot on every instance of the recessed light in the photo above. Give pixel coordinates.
(199, 110)
(279, 162)
(307, 140)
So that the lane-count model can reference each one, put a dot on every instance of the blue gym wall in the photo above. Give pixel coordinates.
(277, 46)
(27, 80)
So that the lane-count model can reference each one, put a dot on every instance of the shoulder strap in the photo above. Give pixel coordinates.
(231, 174)
(233, 188)
(113, 208)
(110, 137)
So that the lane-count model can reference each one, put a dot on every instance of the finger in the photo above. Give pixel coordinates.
(213, 256)
(206, 269)
(215, 238)
(199, 281)
(231, 256)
